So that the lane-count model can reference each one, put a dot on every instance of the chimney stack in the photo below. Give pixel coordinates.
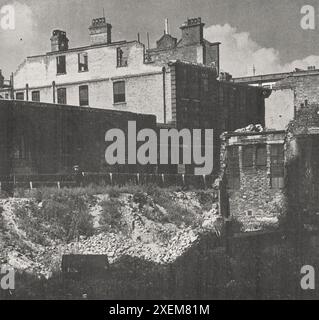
(192, 31)
(100, 31)
(59, 41)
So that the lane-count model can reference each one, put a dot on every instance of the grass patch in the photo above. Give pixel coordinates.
(61, 217)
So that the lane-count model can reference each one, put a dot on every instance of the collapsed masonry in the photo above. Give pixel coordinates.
(272, 174)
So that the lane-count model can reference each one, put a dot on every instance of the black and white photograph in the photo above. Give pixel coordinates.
(159, 150)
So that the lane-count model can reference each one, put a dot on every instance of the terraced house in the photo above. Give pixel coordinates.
(118, 75)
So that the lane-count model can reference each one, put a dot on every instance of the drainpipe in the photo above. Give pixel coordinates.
(164, 93)
(27, 91)
(11, 87)
(53, 90)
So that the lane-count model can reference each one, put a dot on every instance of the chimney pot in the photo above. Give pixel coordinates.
(100, 31)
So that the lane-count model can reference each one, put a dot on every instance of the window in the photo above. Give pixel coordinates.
(20, 95)
(261, 156)
(119, 92)
(248, 156)
(6, 96)
(277, 166)
(61, 96)
(61, 65)
(84, 95)
(36, 96)
(233, 173)
(83, 62)
(121, 57)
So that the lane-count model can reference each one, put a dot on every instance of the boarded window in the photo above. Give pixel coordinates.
(121, 57)
(60, 65)
(119, 91)
(62, 96)
(261, 156)
(36, 96)
(248, 156)
(233, 173)
(83, 62)
(277, 166)
(84, 95)
(20, 95)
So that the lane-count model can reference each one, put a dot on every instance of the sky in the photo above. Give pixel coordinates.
(264, 34)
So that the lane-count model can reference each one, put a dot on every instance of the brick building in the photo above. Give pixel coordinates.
(192, 46)
(116, 75)
(274, 173)
(200, 100)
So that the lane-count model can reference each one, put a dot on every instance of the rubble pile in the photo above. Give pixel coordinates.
(139, 236)
(251, 128)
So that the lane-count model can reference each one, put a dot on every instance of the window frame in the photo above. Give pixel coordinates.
(58, 63)
(121, 58)
(20, 93)
(84, 103)
(261, 162)
(277, 166)
(118, 100)
(33, 93)
(86, 62)
(245, 163)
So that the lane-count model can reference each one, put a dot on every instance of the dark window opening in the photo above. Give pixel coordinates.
(20, 95)
(61, 96)
(233, 172)
(121, 57)
(261, 156)
(248, 156)
(35, 96)
(119, 91)
(277, 166)
(83, 62)
(84, 95)
(61, 65)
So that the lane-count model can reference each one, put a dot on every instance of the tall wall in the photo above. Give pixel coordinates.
(41, 138)
(199, 100)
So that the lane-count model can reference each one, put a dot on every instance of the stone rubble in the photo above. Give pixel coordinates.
(158, 242)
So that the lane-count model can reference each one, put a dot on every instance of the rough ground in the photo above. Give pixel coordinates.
(161, 242)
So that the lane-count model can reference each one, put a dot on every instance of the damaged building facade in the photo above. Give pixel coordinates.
(272, 174)
(289, 92)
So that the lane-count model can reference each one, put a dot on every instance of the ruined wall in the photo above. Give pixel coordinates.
(279, 109)
(256, 198)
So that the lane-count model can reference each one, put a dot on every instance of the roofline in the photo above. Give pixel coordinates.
(275, 76)
(85, 48)
(264, 133)
(69, 107)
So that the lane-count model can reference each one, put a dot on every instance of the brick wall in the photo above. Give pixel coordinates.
(199, 100)
(253, 197)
